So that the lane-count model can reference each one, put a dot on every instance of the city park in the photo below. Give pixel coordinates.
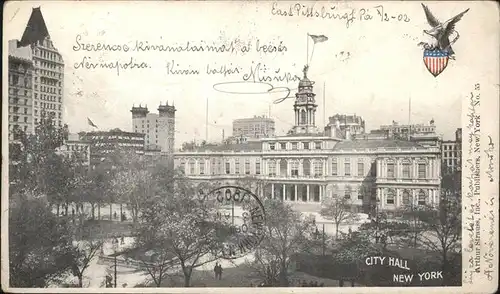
(129, 222)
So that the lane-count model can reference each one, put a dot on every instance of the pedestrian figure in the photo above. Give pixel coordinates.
(123, 240)
(216, 270)
(220, 272)
(115, 215)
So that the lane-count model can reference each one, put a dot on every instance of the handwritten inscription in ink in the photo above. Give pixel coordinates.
(331, 12)
(173, 67)
(472, 207)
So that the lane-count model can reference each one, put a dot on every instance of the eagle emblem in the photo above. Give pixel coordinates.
(438, 53)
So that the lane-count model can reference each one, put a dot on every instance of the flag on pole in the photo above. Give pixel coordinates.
(318, 38)
(91, 123)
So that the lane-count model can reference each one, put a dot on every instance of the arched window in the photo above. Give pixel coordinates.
(406, 169)
(303, 118)
(295, 168)
(201, 167)
(213, 166)
(406, 197)
(390, 197)
(183, 166)
(422, 197)
(191, 167)
(347, 192)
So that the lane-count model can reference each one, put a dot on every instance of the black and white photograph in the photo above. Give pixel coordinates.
(220, 146)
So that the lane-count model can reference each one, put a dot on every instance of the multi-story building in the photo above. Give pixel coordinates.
(306, 166)
(255, 127)
(48, 74)
(399, 131)
(452, 152)
(158, 129)
(20, 91)
(351, 126)
(104, 143)
(74, 147)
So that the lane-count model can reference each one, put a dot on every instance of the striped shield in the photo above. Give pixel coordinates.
(436, 61)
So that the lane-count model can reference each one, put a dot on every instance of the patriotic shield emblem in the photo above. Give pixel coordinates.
(436, 61)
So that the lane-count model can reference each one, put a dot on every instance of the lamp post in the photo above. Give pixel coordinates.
(322, 238)
(115, 245)
(377, 219)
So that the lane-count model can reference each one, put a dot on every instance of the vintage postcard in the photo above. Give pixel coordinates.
(230, 146)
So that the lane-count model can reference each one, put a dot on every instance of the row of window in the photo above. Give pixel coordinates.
(50, 106)
(406, 197)
(317, 169)
(15, 118)
(16, 127)
(449, 147)
(450, 154)
(48, 65)
(18, 67)
(117, 137)
(46, 81)
(48, 89)
(45, 53)
(406, 171)
(48, 97)
(16, 109)
(19, 92)
(347, 169)
(16, 80)
(16, 101)
(243, 168)
(295, 145)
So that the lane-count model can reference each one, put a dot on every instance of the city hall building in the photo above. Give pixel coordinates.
(307, 165)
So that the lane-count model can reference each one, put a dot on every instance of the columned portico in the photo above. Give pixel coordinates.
(306, 193)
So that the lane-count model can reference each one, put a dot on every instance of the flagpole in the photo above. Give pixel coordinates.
(324, 103)
(206, 122)
(312, 53)
(307, 55)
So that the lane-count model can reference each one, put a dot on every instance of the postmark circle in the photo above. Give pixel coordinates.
(240, 219)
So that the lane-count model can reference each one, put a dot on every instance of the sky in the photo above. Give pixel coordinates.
(368, 67)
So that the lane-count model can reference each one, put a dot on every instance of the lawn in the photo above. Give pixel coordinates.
(238, 277)
(99, 229)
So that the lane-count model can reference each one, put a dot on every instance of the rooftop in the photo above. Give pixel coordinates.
(243, 147)
(369, 144)
(36, 30)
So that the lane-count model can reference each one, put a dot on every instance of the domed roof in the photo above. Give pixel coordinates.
(305, 82)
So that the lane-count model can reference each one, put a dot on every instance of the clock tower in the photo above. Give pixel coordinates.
(305, 107)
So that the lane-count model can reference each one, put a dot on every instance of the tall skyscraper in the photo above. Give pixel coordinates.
(47, 81)
(159, 129)
(20, 93)
(255, 127)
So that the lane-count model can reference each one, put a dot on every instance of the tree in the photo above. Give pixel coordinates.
(83, 253)
(40, 250)
(176, 224)
(255, 185)
(443, 224)
(34, 164)
(132, 181)
(286, 234)
(350, 252)
(338, 209)
(412, 224)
